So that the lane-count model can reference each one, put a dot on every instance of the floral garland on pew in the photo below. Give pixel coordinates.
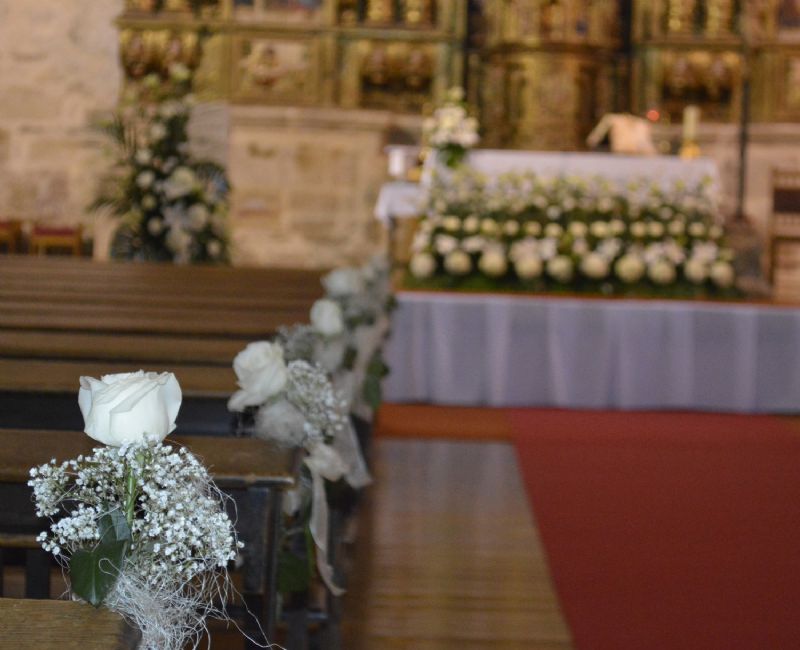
(139, 525)
(295, 405)
(526, 232)
(172, 207)
(338, 349)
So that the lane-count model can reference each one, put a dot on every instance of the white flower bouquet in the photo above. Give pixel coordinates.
(140, 525)
(295, 405)
(526, 232)
(173, 207)
(451, 131)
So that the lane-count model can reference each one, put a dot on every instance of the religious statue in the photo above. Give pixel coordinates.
(719, 17)
(380, 11)
(418, 69)
(680, 15)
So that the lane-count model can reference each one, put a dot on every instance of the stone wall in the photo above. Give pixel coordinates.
(58, 71)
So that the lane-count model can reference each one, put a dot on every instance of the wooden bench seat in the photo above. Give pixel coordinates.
(63, 625)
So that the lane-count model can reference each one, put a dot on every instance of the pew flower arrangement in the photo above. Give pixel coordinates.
(451, 131)
(295, 405)
(139, 525)
(172, 207)
(571, 234)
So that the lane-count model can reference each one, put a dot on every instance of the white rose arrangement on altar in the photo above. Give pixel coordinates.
(451, 131)
(139, 525)
(526, 232)
(172, 207)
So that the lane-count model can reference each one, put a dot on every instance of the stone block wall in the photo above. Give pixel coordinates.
(58, 71)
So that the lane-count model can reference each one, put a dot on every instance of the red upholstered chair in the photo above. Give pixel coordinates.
(10, 235)
(67, 239)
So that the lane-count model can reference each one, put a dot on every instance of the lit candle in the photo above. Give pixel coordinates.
(691, 119)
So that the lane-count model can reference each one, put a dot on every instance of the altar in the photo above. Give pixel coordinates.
(594, 353)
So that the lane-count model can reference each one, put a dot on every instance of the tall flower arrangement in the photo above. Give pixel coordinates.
(522, 231)
(171, 206)
(140, 525)
(451, 131)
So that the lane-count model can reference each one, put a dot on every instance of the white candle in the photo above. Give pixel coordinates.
(691, 119)
(398, 162)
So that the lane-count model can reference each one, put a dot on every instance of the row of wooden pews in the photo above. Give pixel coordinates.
(63, 318)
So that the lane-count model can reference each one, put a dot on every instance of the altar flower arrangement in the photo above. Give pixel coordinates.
(527, 232)
(139, 525)
(451, 131)
(171, 206)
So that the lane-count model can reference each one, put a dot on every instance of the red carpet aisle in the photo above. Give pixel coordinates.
(668, 531)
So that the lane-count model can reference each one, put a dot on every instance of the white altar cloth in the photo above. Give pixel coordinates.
(494, 350)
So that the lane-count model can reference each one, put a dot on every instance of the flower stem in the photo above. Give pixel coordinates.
(130, 496)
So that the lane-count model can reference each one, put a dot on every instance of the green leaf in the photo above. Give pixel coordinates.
(114, 527)
(94, 573)
(293, 573)
(372, 391)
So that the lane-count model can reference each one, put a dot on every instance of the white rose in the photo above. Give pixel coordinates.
(198, 216)
(580, 247)
(155, 226)
(214, 248)
(511, 228)
(489, 227)
(451, 224)
(143, 156)
(661, 272)
(578, 229)
(638, 229)
(149, 202)
(528, 267)
(326, 317)
(655, 229)
(471, 224)
(344, 282)
(676, 228)
(629, 268)
(594, 266)
(697, 229)
(617, 226)
(261, 373)
(600, 229)
(158, 132)
(445, 244)
(458, 263)
(129, 408)
(422, 265)
(493, 263)
(181, 182)
(145, 179)
(722, 274)
(695, 271)
(553, 230)
(560, 268)
(533, 228)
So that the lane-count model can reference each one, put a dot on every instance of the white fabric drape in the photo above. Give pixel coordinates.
(592, 353)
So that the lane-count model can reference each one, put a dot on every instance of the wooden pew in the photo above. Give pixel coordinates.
(62, 625)
(63, 318)
(253, 472)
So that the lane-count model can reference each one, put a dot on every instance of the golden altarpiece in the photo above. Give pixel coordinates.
(541, 72)
(371, 54)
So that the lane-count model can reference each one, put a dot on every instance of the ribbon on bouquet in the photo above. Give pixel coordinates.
(323, 462)
(345, 442)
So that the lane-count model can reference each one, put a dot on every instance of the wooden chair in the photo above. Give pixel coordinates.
(10, 235)
(784, 223)
(44, 239)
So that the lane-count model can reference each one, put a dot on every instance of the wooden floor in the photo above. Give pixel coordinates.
(449, 557)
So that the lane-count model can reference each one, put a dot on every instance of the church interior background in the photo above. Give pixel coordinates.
(299, 98)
